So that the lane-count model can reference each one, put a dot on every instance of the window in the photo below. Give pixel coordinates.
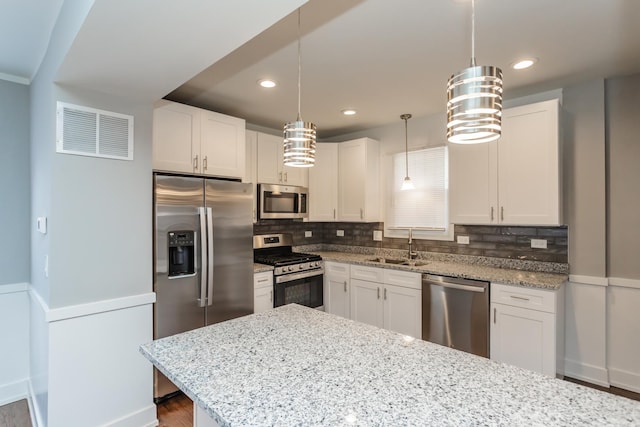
(426, 206)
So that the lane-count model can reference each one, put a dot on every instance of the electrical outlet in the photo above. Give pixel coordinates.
(308, 233)
(340, 233)
(539, 243)
(463, 240)
(377, 235)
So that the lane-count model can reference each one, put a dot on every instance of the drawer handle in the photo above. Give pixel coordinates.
(263, 280)
(520, 298)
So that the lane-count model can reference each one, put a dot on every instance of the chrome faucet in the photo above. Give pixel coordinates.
(412, 254)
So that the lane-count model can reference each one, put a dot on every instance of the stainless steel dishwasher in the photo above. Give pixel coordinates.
(455, 313)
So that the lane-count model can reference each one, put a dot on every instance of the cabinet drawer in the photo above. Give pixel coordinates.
(336, 268)
(263, 279)
(517, 296)
(371, 274)
(406, 279)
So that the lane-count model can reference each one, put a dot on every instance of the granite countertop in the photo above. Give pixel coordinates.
(259, 268)
(534, 279)
(298, 366)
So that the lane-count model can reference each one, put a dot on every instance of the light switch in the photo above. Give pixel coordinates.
(41, 224)
(340, 233)
(377, 235)
(539, 243)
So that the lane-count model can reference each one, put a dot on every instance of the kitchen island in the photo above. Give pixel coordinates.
(298, 366)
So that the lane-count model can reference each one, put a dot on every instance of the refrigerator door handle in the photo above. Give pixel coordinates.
(202, 301)
(210, 257)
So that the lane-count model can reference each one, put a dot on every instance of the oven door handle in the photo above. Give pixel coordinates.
(296, 276)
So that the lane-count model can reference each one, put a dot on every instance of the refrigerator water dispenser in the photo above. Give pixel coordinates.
(181, 253)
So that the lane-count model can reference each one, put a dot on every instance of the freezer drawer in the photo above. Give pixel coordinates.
(455, 313)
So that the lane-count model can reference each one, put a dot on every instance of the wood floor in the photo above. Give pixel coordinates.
(178, 411)
(15, 414)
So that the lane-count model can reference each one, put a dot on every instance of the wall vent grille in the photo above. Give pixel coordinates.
(90, 132)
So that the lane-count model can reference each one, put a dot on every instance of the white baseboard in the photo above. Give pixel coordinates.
(146, 417)
(34, 410)
(13, 392)
(625, 379)
(590, 373)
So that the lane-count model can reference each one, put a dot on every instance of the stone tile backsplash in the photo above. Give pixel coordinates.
(507, 242)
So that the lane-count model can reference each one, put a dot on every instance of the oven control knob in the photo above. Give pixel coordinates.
(287, 268)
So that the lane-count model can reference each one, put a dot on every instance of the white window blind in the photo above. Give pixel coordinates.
(427, 204)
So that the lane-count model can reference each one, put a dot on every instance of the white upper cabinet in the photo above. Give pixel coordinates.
(358, 181)
(515, 180)
(323, 184)
(271, 169)
(193, 140)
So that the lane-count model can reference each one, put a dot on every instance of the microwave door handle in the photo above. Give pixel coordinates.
(202, 301)
(299, 203)
(210, 257)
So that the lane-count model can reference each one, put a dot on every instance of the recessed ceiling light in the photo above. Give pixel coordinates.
(349, 112)
(525, 63)
(267, 83)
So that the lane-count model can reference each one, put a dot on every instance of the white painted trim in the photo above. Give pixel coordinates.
(13, 287)
(624, 283)
(15, 79)
(145, 417)
(96, 307)
(34, 409)
(13, 392)
(589, 280)
(583, 371)
(624, 379)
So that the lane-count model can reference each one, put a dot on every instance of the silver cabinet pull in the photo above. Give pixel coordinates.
(271, 296)
(345, 286)
(195, 162)
(280, 177)
(520, 298)
(501, 213)
(204, 163)
(361, 213)
(378, 293)
(494, 315)
(491, 213)
(334, 213)
(286, 177)
(385, 293)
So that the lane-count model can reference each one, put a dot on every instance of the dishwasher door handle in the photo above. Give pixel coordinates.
(479, 289)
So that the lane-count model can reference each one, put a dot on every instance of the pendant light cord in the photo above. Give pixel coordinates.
(473, 33)
(406, 147)
(299, 66)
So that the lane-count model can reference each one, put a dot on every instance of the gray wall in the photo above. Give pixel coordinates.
(623, 164)
(585, 177)
(14, 182)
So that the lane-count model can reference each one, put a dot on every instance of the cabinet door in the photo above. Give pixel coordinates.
(222, 145)
(323, 183)
(337, 295)
(523, 338)
(176, 135)
(294, 176)
(251, 167)
(366, 302)
(262, 299)
(351, 183)
(403, 310)
(473, 179)
(528, 165)
(269, 159)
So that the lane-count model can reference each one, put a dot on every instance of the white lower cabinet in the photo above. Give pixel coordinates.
(390, 299)
(336, 288)
(262, 291)
(527, 328)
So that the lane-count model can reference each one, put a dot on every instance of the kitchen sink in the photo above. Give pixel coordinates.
(396, 261)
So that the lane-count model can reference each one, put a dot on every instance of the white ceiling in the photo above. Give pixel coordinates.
(381, 57)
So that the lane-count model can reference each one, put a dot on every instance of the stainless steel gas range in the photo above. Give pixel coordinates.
(297, 277)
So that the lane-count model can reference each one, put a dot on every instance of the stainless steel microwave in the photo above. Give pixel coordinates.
(282, 201)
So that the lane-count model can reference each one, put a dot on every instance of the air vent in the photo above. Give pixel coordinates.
(86, 131)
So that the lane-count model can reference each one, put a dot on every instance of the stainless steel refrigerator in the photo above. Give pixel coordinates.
(203, 256)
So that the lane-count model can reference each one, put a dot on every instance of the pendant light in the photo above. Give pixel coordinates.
(474, 107)
(299, 136)
(406, 183)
